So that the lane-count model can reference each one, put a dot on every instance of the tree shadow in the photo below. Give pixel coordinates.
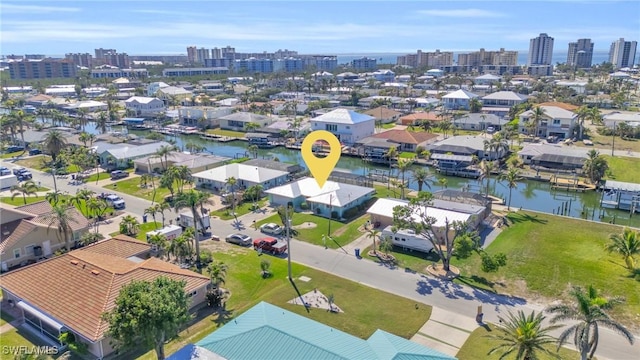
(473, 280)
(515, 218)
(238, 225)
(635, 274)
(223, 315)
(295, 287)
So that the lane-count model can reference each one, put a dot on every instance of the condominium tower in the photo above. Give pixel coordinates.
(623, 53)
(580, 53)
(540, 50)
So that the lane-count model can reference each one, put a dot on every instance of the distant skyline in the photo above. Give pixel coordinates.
(160, 27)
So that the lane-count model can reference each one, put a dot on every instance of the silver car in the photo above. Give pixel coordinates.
(271, 228)
(239, 239)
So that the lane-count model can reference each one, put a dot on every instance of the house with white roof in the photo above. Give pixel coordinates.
(554, 156)
(499, 103)
(173, 92)
(384, 75)
(480, 122)
(121, 156)
(153, 88)
(246, 175)
(458, 100)
(144, 106)
(554, 122)
(347, 125)
(487, 79)
(88, 105)
(238, 120)
(615, 118)
(333, 197)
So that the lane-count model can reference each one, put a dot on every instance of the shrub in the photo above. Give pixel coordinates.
(206, 256)
(304, 206)
(351, 213)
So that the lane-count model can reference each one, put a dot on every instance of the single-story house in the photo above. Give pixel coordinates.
(203, 116)
(458, 100)
(144, 106)
(465, 145)
(71, 292)
(419, 117)
(88, 105)
(236, 340)
(506, 99)
(382, 216)
(292, 169)
(479, 122)
(238, 120)
(121, 156)
(383, 114)
(245, 175)
(39, 100)
(405, 140)
(487, 79)
(195, 162)
(30, 233)
(168, 93)
(615, 118)
(554, 156)
(333, 197)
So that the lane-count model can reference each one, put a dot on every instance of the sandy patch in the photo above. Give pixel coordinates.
(314, 299)
(305, 225)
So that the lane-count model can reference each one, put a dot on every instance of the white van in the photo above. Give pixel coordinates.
(407, 239)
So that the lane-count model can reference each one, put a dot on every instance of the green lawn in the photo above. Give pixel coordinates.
(35, 162)
(624, 168)
(242, 209)
(18, 201)
(547, 253)
(16, 337)
(229, 133)
(13, 154)
(389, 126)
(392, 192)
(144, 229)
(341, 233)
(132, 187)
(407, 155)
(478, 345)
(381, 310)
(99, 176)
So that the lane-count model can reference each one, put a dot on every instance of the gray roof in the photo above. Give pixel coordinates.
(553, 112)
(343, 116)
(463, 158)
(127, 151)
(34, 136)
(473, 142)
(560, 159)
(274, 165)
(539, 149)
(244, 117)
(620, 185)
(505, 95)
(477, 118)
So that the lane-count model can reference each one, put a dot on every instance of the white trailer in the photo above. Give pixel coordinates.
(186, 220)
(407, 239)
(170, 232)
(8, 181)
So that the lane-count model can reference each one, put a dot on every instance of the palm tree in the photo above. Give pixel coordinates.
(60, 217)
(486, 168)
(391, 154)
(588, 311)
(26, 188)
(421, 176)
(445, 126)
(254, 192)
(253, 149)
(101, 121)
(152, 210)
(373, 234)
(54, 142)
(403, 166)
(81, 195)
(583, 113)
(161, 207)
(523, 335)
(159, 240)
(249, 127)
(54, 197)
(626, 244)
(97, 207)
(536, 117)
(163, 152)
(512, 176)
(231, 183)
(217, 273)
(194, 199)
(595, 166)
(129, 225)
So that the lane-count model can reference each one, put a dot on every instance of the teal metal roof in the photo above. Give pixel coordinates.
(268, 332)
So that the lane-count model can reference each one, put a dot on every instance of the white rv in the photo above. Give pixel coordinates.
(170, 232)
(186, 220)
(407, 239)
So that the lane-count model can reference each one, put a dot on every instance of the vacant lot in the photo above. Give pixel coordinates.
(624, 168)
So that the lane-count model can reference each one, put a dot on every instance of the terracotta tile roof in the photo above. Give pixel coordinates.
(78, 221)
(561, 105)
(405, 137)
(77, 287)
(37, 208)
(17, 230)
(421, 116)
(120, 245)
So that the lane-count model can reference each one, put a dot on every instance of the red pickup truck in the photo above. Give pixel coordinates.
(270, 245)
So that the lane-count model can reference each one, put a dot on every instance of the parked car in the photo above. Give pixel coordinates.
(115, 201)
(270, 245)
(17, 171)
(12, 149)
(271, 228)
(239, 239)
(35, 152)
(119, 174)
(4, 171)
(25, 175)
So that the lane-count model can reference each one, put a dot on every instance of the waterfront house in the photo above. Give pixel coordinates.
(347, 125)
(173, 93)
(195, 162)
(458, 100)
(555, 121)
(203, 116)
(383, 114)
(487, 79)
(553, 156)
(292, 336)
(499, 103)
(479, 122)
(404, 140)
(238, 120)
(144, 106)
(333, 198)
(30, 233)
(466, 145)
(121, 156)
(245, 175)
(70, 292)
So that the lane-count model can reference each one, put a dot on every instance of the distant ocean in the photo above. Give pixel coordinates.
(388, 58)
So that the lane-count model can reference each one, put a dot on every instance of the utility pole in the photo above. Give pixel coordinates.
(613, 142)
(286, 226)
(330, 208)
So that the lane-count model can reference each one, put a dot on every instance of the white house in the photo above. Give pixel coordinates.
(384, 75)
(580, 87)
(333, 197)
(487, 79)
(246, 175)
(347, 125)
(153, 88)
(88, 105)
(120, 156)
(141, 105)
(237, 121)
(503, 99)
(191, 115)
(555, 121)
(458, 100)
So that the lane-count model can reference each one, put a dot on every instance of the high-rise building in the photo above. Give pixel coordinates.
(85, 60)
(540, 50)
(191, 54)
(580, 53)
(202, 54)
(364, 63)
(427, 59)
(42, 69)
(100, 53)
(120, 60)
(483, 57)
(623, 53)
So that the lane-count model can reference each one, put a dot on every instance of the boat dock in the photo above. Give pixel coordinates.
(570, 184)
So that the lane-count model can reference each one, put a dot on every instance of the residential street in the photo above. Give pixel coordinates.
(454, 298)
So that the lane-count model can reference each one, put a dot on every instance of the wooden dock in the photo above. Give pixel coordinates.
(570, 184)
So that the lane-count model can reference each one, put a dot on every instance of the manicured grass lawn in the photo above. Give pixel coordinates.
(545, 254)
(604, 142)
(624, 168)
(144, 229)
(241, 209)
(389, 126)
(341, 233)
(35, 162)
(407, 155)
(97, 177)
(17, 337)
(132, 187)
(18, 201)
(392, 192)
(13, 154)
(229, 133)
(360, 318)
(478, 345)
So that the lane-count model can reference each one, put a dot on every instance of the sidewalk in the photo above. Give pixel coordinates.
(445, 331)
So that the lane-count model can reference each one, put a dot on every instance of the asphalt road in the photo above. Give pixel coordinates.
(423, 289)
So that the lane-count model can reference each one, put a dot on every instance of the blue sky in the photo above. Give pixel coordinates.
(331, 27)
